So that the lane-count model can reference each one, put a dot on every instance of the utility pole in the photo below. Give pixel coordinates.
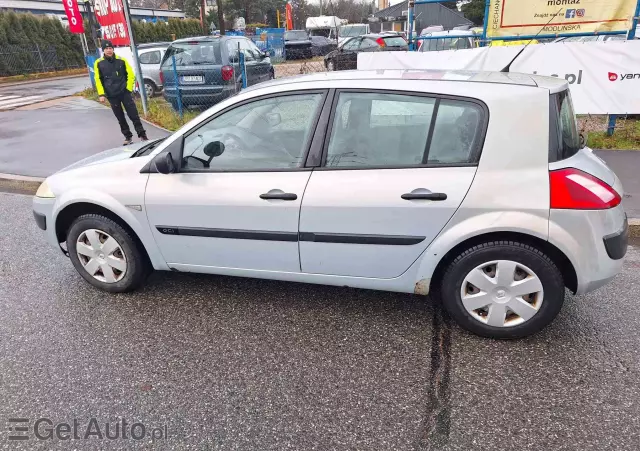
(136, 61)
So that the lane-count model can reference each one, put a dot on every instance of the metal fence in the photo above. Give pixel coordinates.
(32, 58)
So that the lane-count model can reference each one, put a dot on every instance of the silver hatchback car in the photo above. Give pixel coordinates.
(471, 186)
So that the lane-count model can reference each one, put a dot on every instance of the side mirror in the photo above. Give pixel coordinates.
(214, 149)
(265, 54)
(234, 59)
(164, 163)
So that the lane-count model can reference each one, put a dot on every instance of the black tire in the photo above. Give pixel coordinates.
(150, 86)
(544, 268)
(138, 265)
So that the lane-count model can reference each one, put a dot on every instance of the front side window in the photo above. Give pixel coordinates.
(352, 44)
(265, 134)
(390, 130)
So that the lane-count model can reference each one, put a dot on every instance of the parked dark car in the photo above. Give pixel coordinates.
(321, 45)
(208, 69)
(297, 44)
(346, 57)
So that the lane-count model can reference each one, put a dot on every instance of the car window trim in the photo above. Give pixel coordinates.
(302, 167)
(475, 153)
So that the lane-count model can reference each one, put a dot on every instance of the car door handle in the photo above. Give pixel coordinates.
(279, 196)
(424, 196)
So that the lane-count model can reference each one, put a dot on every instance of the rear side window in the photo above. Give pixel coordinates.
(150, 57)
(193, 54)
(397, 130)
(395, 41)
(564, 139)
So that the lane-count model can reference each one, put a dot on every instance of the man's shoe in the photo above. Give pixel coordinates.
(127, 141)
(144, 138)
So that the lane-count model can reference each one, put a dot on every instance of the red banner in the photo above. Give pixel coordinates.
(289, 16)
(110, 15)
(74, 16)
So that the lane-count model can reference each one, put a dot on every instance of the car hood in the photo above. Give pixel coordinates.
(108, 156)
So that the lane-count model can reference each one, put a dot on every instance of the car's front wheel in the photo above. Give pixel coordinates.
(106, 255)
(502, 289)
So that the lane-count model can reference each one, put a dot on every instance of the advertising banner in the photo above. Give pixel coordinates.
(73, 14)
(110, 15)
(528, 17)
(604, 77)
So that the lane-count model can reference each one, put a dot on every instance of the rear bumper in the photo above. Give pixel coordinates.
(199, 95)
(616, 243)
(595, 242)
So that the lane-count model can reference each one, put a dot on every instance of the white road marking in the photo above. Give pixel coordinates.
(12, 103)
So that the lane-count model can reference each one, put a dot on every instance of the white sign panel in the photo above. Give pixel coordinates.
(604, 76)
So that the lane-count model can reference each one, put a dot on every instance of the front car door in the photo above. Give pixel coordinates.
(235, 202)
(347, 58)
(395, 169)
(150, 66)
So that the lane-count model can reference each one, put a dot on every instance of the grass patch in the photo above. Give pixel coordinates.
(44, 75)
(625, 137)
(160, 112)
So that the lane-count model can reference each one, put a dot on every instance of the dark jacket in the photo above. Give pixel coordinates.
(113, 76)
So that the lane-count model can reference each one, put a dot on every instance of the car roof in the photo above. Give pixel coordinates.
(150, 45)
(553, 84)
(206, 39)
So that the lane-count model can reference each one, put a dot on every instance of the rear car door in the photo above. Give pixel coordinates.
(235, 201)
(262, 64)
(395, 169)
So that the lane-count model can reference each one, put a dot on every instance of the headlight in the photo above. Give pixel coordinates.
(45, 191)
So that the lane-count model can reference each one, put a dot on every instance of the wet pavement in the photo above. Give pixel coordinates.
(626, 164)
(231, 363)
(41, 90)
(42, 141)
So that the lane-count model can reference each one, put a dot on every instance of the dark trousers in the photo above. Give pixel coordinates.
(125, 99)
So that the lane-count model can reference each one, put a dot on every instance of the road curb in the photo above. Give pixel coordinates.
(20, 184)
(40, 80)
(634, 228)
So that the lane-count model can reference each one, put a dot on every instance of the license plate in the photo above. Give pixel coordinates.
(192, 79)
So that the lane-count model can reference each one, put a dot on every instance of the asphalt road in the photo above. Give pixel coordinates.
(47, 89)
(39, 142)
(230, 363)
(626, 165)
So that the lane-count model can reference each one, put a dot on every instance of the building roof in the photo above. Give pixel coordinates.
(427, 13)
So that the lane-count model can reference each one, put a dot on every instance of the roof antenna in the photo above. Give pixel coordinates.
(508, 66)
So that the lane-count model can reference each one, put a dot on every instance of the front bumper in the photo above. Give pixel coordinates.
(43, 215)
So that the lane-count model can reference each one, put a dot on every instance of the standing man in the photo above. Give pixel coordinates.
(114, 79)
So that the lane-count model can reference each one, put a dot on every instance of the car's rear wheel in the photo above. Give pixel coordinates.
(150, 88)
(106, 255)
(502, 289)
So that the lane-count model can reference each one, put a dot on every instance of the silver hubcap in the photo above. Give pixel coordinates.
(149, 89)
(502, 293)
(101, 256)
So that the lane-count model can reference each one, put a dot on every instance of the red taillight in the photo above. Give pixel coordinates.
(572, 189)
(161, 78)
(227, 73)
(380, 42)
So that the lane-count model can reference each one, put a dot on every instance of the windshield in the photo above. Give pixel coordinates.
(146, 150)
(352, 30)
(296, 35)
(193, 53)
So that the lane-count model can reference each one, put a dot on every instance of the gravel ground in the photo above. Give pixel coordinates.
(230, 363)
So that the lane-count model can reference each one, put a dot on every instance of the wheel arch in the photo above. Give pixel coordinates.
(72, 211)
(563, 263)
